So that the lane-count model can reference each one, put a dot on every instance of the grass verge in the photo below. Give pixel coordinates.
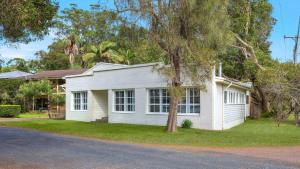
(263, 132)
(32, 115)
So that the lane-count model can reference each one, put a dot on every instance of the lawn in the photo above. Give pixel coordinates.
(32, 115)
(263, 132)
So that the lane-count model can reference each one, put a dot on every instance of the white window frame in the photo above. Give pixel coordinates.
(83, 106)
(234, 97)
(125, 101)
(161, 104)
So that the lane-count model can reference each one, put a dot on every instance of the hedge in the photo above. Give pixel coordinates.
(9, 110)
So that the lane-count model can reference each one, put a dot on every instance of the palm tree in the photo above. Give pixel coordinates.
(104, 52)
(71, 49)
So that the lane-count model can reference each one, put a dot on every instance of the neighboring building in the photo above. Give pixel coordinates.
(57, 80)
(137, 94)
(14, 75)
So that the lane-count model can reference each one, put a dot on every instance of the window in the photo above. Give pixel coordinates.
(80, 100)
(234, 97)
(124, 100)
(159, 101)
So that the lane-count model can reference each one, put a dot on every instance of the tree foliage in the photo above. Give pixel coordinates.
(8, 90)
(281, 85)
(25, 20)
(183, 30)
(107, 52)
(55, 58)
(34, 89)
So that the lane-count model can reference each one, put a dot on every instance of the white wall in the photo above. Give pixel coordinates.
(142, 116)
(99, 104)
(218, 108)
(234, 114)
(80, 115)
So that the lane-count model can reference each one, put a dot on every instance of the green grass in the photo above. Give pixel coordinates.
(263, 132)
(32, 115)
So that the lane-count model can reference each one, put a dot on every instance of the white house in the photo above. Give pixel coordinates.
(137, 94)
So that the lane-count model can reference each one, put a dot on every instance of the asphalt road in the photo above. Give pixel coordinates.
(34, 150)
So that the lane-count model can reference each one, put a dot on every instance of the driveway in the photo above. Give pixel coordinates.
(34, 150)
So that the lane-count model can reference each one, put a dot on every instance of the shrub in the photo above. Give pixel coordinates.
(9, 110)
(187, 124)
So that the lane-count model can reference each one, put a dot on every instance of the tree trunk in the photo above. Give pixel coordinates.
(296, 114)
(248, 10)
(176, 83)
(264, 101)
(172, 117)
(33, 103)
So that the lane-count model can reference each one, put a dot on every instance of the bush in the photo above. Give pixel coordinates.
(187, 124)
(9, 110)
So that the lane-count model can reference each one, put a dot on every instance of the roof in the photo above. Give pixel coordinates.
(99, 67)
(14, 74)
(234, 82)
(56, 74)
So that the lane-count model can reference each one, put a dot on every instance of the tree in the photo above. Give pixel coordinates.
(280, 83)
(55, 58)
(5, 98)
(191, 33)
(32, 90)
(90, 27)
(25, 20)
(251, 22)
(85, 27)
(71, 49)
(18, 64)
(106, 52)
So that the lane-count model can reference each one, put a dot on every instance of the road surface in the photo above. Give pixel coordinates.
(27, 149)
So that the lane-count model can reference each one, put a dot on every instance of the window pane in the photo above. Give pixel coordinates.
(197, 100)
(191, 92)
(154, 92)
(165, 108)
(183, 109)
(197, 109)
(154, 108)
(129, 108)
(124, 100)
(192, 109)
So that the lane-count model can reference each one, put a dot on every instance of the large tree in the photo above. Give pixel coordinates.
(251, 22)
(25, 20)
(54, 58)
(281, 85)
(191, 34)
(83, 28)
(18, 64)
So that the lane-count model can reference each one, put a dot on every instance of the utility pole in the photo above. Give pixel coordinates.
(295, 55)
(296, 39)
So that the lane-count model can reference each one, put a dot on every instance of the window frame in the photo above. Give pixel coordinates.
(83, 106)
(161, 104)
(234, 97)
(125, 97)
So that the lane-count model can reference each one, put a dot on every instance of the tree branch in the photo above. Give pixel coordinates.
(251, 51)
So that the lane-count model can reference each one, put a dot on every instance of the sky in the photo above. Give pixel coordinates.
(286, 12)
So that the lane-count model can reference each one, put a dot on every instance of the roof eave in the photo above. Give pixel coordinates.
(236, 84)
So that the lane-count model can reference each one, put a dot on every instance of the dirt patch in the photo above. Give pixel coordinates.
(284, 154)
